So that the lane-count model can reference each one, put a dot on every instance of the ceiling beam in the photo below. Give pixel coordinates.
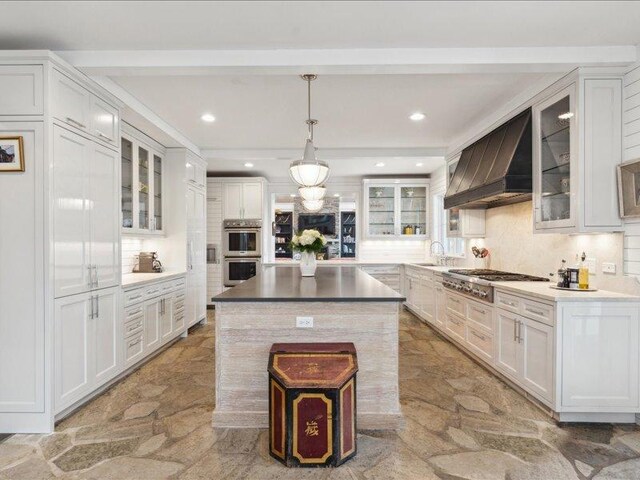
(345, 61)
(323, 153)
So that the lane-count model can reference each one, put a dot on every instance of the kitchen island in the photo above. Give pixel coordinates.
(339, 304)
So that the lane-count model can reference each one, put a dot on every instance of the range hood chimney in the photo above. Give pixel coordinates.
(496, 170)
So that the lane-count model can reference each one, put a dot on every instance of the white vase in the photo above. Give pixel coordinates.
(308, 264)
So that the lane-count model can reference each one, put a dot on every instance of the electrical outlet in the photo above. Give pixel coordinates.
(304, 322)
(608, 267)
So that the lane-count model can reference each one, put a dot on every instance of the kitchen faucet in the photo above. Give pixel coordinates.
(442, 257)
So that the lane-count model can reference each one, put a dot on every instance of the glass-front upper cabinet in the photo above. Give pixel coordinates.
(142, 187)
(554, 152)
(453, 214)
(127, 183)
(382, 210)
(413, 210)
(396, 210)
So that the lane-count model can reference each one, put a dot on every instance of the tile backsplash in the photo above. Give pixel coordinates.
(514, 247)
(131, 246)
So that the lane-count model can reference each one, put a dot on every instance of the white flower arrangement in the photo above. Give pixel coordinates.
(308, 241)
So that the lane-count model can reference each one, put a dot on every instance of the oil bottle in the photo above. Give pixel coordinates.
(583, 273)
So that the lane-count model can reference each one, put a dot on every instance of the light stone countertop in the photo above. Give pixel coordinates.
(132, 280)
(543, 291)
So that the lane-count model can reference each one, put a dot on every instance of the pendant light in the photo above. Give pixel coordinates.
(312, 193)
(313, 205)
(309, 172)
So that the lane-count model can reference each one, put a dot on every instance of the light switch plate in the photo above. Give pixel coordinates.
(608, 267)
(304, 322)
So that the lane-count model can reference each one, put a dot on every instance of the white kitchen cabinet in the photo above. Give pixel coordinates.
(85, 214)
(166, 317)
(577, 145)
(427, 300)
(86, 350)
(599, 357)
(142, 184)
(242, 200)
(525, 353)
(396, 208)
(152, 316)
(196, 174)
(80, 109)
(196, 301)
(21, 90)
(441, 304)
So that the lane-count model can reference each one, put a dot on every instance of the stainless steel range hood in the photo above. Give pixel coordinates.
(496, 170)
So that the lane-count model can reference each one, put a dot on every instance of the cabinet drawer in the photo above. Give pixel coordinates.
(167, 287)
(480, 342)
(455, 327)
(133, 296)
(537, 311)
(71, 102)
(179, 304)
(134, 326)
(133, 312)
(21, 90)
(133, 348)
(153, 290)
(179, 283)
(508, 302)
(480, 314)
(456, 305)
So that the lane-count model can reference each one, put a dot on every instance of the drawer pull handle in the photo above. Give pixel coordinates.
(102, 135)
(535, 312)
(135, 297)
(481, 337)
(131, 344)
(511, 304)
(131, 314)
(76, 123)
(133, 327)
(479, 310)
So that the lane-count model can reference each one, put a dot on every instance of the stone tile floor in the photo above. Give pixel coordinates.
(461, 423)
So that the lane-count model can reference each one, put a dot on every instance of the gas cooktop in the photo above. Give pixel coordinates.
(497, 276)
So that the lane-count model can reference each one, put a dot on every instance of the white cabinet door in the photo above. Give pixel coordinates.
(72, 345)
(104, 215)
(71, 218)
(106, 361)
(196, 301)
(537, 357)
(233, 198)
(71, 102)
(152, 316)
(252, 200)
(600, 356)
(166, 317)
(104, 121)
(428, 298)
(508, 354)
(441, 305)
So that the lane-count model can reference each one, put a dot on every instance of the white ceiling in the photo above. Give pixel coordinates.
(354, 111)
(138, 25)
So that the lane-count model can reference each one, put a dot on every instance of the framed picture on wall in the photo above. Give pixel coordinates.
(629, 188)
(11, 154)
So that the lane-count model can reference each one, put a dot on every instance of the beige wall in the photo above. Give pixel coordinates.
(514, 247)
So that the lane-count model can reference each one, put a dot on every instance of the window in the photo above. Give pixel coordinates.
(453, 246)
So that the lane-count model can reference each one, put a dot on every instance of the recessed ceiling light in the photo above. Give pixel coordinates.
(380, 164)
(565, 116)
(207, 117)
(336, 194)
(292, 195)
(248, 164)
(416, 117)
(419, 164)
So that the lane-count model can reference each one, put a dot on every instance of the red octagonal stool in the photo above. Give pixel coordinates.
(312, 403)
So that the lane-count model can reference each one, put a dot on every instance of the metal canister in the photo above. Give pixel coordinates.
(572, 274)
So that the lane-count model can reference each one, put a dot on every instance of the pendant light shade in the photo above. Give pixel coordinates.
(312, 205)
(312, 193)
(309, 172)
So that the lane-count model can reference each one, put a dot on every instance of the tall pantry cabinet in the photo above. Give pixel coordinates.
(60, 237)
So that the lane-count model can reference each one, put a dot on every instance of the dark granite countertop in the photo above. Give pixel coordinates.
(331, 284)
